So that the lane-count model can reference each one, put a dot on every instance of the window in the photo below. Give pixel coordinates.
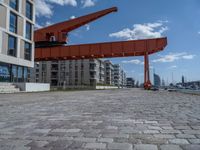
(13, 22)
(25, 74)
(14, 73)
(4, 72)
(12, 46)
(20, 74)
(14, 4)
(28, 51)
(29, 11)
(44, 66)
(28, 30)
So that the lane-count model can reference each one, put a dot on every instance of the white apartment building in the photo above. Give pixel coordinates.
(88, 72)
(109, 73)
(17, 18)
(117, 75)
(76, 73)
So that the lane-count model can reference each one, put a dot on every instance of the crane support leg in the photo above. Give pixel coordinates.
(147, 82)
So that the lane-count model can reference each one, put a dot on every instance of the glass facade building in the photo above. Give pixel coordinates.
(17, 18)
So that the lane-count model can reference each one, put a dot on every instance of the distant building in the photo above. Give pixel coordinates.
(163, 82)
(17, 18)
(117, 75)
(123, 78)
(75, 73)
(137, 84)
(130, 82)
(109, 72)
(157, 81)
(192, 84)
(183, 80)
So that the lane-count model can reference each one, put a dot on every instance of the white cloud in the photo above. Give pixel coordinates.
(172, 67)
(171, 57)
(87, 27)
(45, 7)
(142, 31)
(151, 67)
(133, 61)
(88, 3)
(189, 56)
(42, 8)
(48, 23)
(38, 26)
(64, 2)
(72, 17)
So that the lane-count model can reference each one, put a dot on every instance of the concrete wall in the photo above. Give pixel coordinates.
(22, 49)
(23, 8)
(4, 43)
(2, 16)
(33, 87)
(20, 25)
(98, 87)
(106, 87)
(7, 2)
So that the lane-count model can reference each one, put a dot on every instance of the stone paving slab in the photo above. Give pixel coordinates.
(145, 147)
(124, 119)
(170, 147)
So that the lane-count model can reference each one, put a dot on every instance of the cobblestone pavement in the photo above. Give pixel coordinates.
(129, 119)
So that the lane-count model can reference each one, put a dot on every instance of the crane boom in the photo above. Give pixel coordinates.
(56, 34)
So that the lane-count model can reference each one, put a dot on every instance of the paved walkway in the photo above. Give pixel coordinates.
(129, 119)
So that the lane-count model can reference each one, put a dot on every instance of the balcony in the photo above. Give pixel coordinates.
(92, 68)
(92, 77)
(102, 66)
(54, 76)
(54, 69)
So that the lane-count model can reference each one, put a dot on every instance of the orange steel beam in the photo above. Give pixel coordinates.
(101, 50)
(60, 30)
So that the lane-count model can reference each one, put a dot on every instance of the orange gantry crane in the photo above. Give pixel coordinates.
(50, 44)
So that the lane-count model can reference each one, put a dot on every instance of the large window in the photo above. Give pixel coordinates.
(13, 22)
(29, 10)
(12, 46)
(4, 72)
(28, 51)
(28, 30)
(14, 4)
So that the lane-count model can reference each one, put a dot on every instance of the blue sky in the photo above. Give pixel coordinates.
(137, 19)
